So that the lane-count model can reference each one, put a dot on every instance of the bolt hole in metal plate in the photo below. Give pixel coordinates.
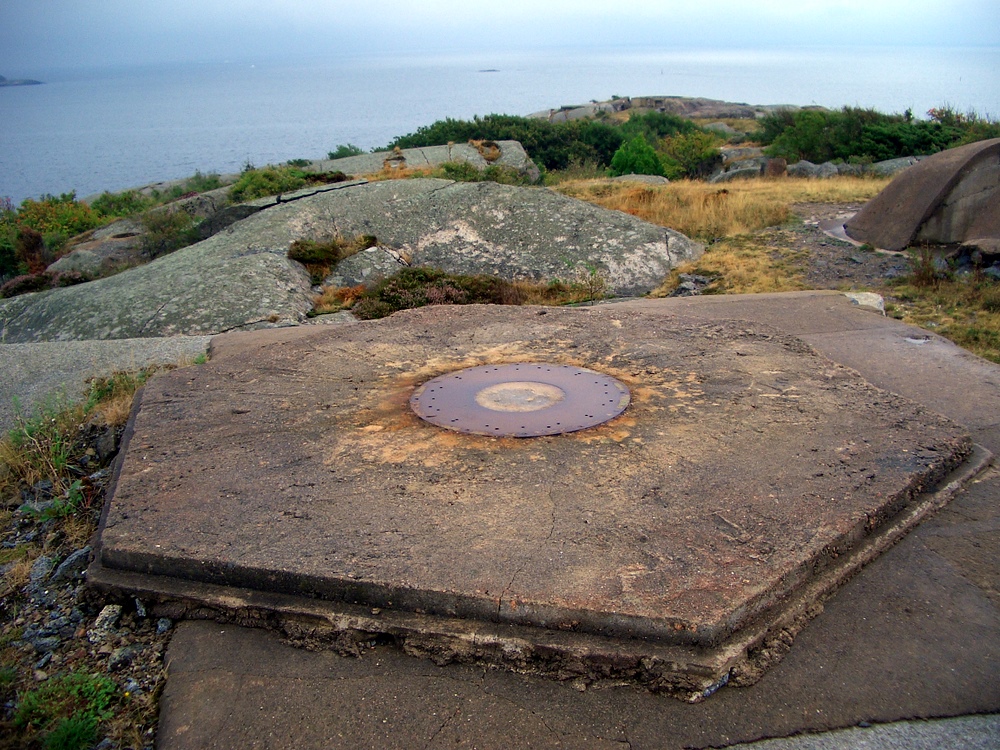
(520, 400)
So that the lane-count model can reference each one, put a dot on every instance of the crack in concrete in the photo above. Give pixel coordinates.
(445, 723)
(548, 537)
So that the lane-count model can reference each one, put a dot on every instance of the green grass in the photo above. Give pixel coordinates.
(65, 711)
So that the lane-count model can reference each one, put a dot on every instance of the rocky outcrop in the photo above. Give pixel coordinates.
(510, 232)
(949, 198)
(19, 82)
(241, 278)
(114, 245)
(506, 154)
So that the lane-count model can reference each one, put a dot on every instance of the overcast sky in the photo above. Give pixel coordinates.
(42, 34)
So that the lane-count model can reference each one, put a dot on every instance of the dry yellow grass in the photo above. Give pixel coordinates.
(709, 212)
(741, 265)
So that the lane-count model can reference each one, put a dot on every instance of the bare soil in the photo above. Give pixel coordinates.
(829, 263)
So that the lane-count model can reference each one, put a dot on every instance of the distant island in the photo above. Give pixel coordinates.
(19, 82)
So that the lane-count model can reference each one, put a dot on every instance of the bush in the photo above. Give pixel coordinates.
(31, 282)
(344, 150)
(64, 214)
(166, 232)
(656, 125)
(119, 205)
(260, 183)
(636, 156)
(695, 154)
(550, 145)
(421, 286)
(854, 134)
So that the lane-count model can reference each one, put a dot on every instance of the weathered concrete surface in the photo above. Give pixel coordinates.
(31, 373)
(744, 468)
(952, 197)
(915, 634)
(512, 155)
(966, 732)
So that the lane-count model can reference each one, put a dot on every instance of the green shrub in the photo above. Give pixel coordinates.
(344, 150)
(463, 171)
(63, 214)
(695, 154)
(550, 145)
(165, 232)
(854, 133)
(200, 183)
(656, 125)
(636, 156)
(421, 286)
(9, 264)
(260, 183)
(118, 205)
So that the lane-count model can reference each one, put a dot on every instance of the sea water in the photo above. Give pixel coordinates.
(113, 128)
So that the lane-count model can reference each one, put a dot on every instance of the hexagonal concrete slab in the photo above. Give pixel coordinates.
(678, 545)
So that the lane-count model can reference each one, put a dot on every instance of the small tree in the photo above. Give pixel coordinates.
(636, 156)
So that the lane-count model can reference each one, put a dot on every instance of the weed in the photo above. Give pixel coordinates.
(299, 162)
(925, 271)
(421, 286)
(67, 709)
(334, 299)
(576, 170)
(593, 281)
(463, 171)
(41, 446)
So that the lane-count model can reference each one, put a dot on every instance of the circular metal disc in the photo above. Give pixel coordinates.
(529, 399)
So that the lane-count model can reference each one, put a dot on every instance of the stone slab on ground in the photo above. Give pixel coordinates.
(745, 471)
(32, 373)
(915, 634)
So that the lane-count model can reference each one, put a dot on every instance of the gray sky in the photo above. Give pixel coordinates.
(41, 34)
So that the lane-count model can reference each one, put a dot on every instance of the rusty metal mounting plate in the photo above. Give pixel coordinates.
(528, 399)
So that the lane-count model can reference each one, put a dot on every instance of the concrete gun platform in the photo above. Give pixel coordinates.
(681, 545)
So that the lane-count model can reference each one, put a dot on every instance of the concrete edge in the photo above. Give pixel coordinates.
(686, 672)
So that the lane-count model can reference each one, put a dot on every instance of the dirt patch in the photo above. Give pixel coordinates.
(828, 263)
